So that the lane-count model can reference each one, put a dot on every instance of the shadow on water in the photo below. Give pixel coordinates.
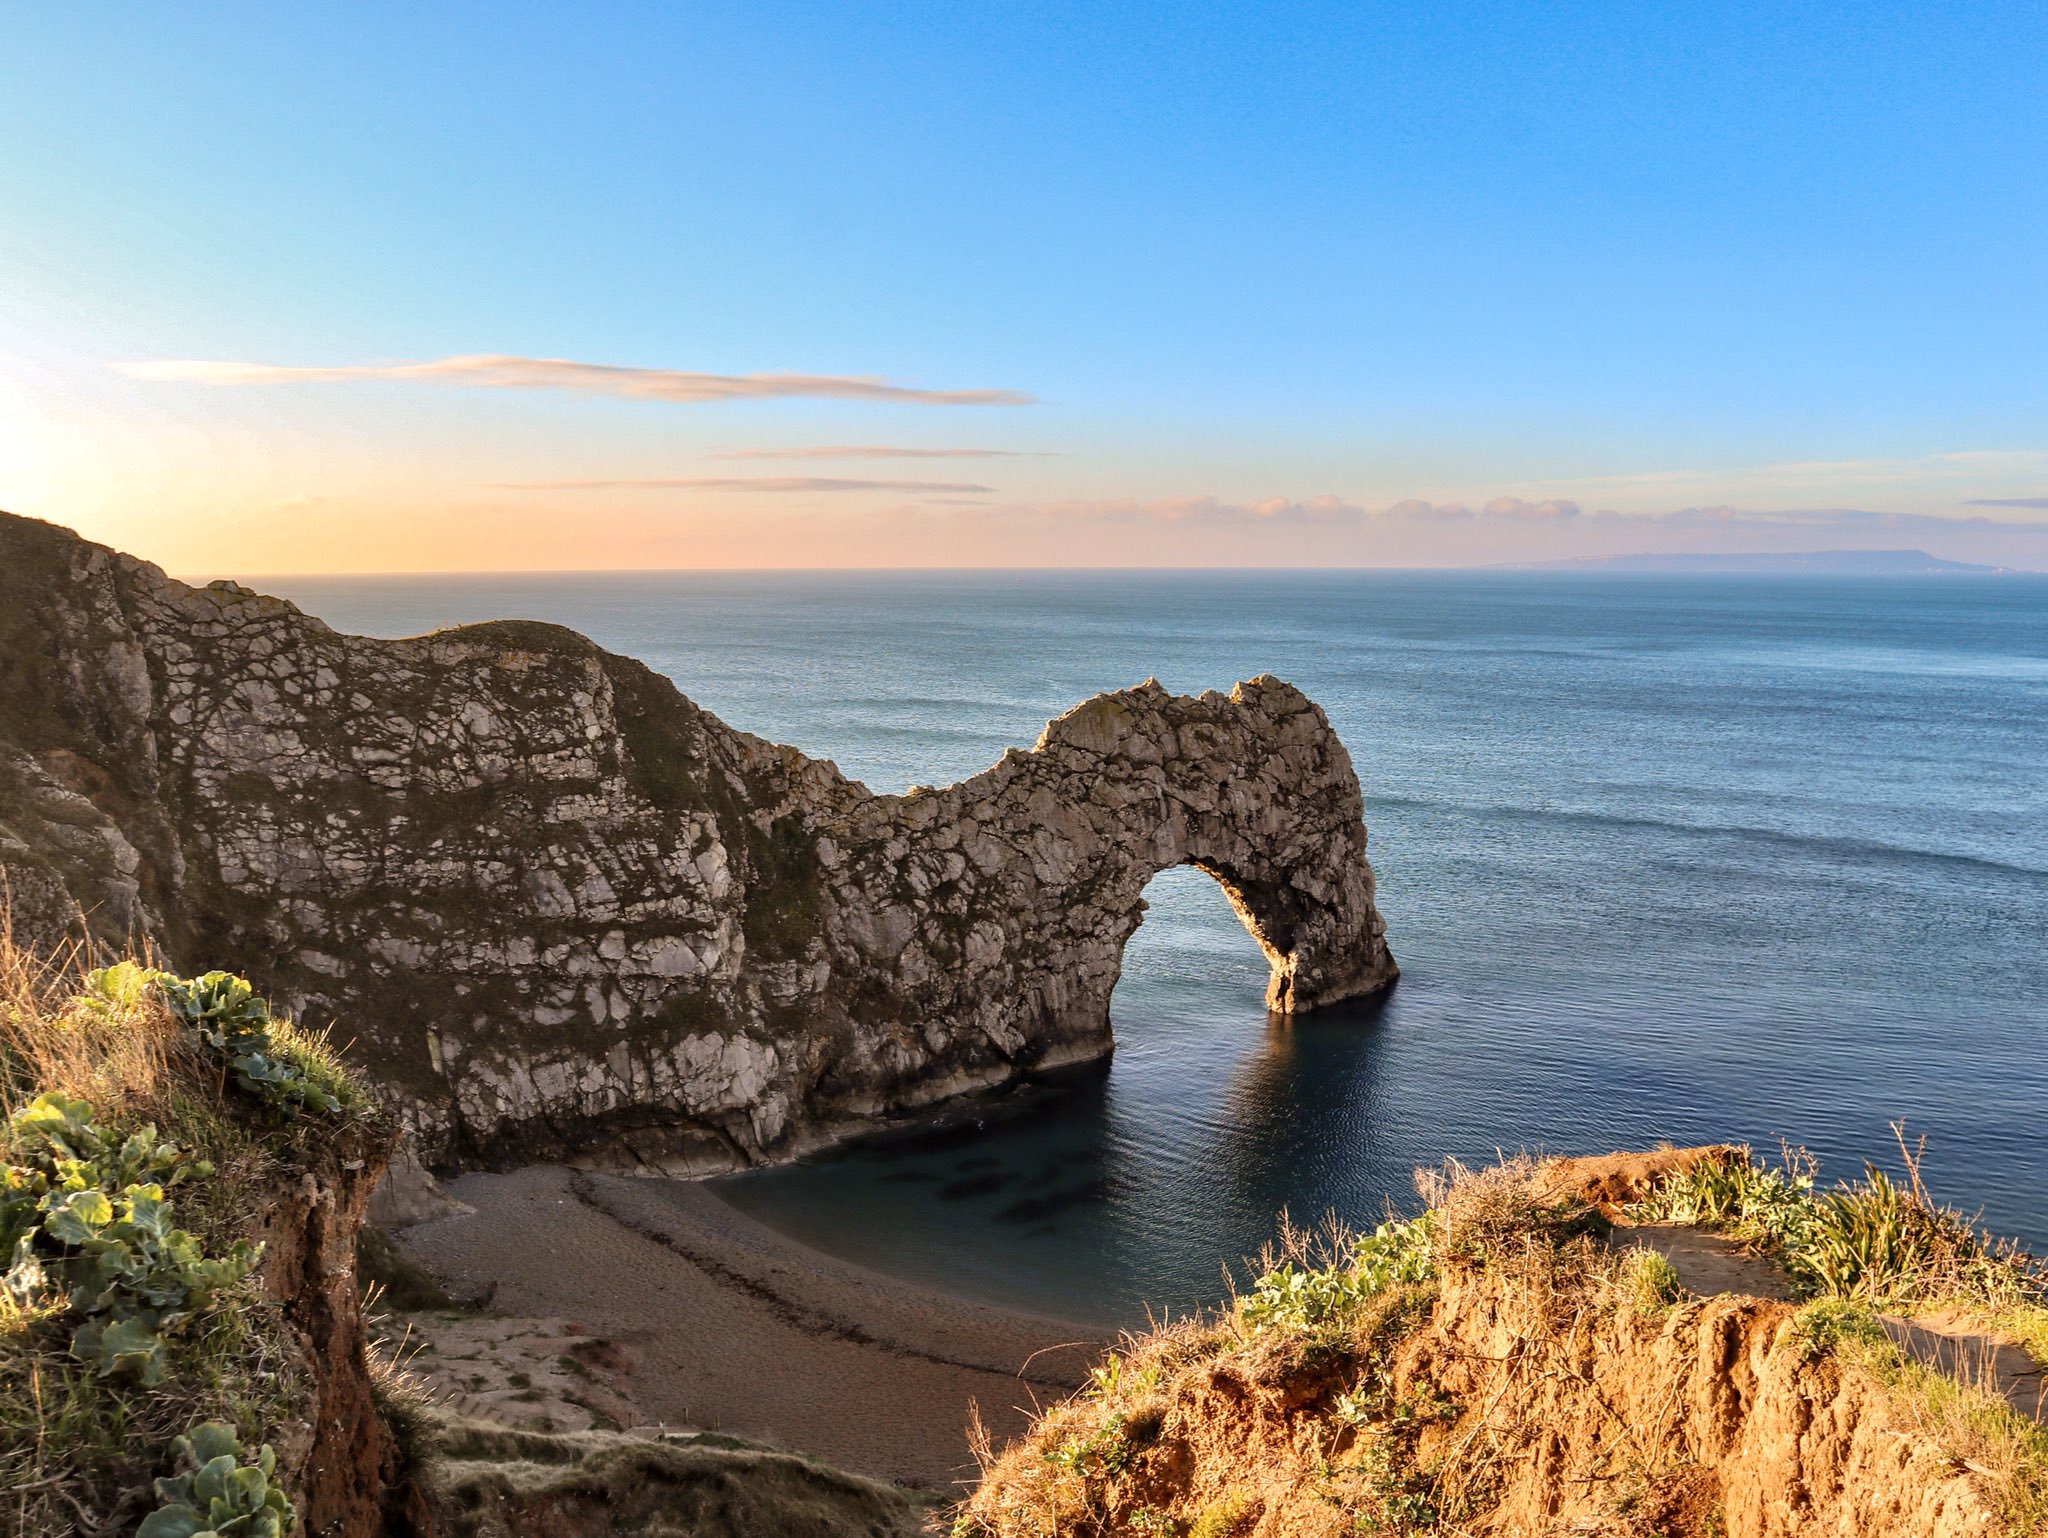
(1095, 1191)
(1309, 1097)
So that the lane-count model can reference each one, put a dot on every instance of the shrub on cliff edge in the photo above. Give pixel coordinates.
(84, 1219)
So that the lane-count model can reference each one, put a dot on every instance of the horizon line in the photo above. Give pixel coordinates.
(1591, 566)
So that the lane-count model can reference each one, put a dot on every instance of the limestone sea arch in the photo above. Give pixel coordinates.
(564, 912)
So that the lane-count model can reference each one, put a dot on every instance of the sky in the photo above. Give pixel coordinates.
(610, 286)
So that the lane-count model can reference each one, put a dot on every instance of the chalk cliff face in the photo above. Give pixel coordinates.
(561, 910)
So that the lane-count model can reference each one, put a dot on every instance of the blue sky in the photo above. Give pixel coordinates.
(1282, 283)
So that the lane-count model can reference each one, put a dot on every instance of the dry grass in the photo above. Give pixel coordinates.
(404, 1402)
(1876, 1240)
(1965, 1412)
(122, 1059)
(1884, 1244)
(1294, 1389)
(2024, 1322)
(1309, 1341)
(1480, 1211)
(1645, 1281)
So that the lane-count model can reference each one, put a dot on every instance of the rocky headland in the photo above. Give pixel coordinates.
(567, 913)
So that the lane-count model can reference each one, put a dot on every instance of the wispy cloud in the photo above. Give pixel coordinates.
(1336, 511)
(878, 451)
(775, 483)
(2036, 503)
(502, 371)
(1325, 510)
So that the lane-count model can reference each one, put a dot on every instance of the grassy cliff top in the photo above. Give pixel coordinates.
(148, 1124)
(1525, 1356)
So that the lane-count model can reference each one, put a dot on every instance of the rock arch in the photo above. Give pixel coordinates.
(1028, 878)
(563, 911)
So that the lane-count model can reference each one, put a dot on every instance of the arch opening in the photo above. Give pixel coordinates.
(1200, 945)
(1259, 909)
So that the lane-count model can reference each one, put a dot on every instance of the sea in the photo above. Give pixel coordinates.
(1698, 858)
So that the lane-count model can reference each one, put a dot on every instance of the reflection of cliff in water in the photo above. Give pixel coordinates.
(1097, 1191)
(1304, 1106)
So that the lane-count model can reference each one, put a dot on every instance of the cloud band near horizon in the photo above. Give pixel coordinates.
(772, 483)
(505, 371)
(878, 451)
(1334, 512)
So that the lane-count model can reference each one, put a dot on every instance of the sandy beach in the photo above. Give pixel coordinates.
(735, 1328)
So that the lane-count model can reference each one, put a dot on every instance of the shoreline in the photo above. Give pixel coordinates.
(737, 1328)
(968, 1099)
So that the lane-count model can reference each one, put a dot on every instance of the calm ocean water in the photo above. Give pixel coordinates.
(1661, 857)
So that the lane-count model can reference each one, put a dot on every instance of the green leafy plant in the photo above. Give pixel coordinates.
(1874, 1239)
(86, 1217)
(1397, 1253)
(1290, 1296)
(1867, 1242)
(1400, 1498)
(1113, 1376)
(218, 1495)
(1103, 1453)
(118, 990)
(1828, 1324)
(1105, 1377)
(265, 1055)
(1359, 1407)
(233, 1019)
(1756, 1201)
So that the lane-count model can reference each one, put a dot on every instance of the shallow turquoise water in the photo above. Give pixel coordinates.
(1679, 857)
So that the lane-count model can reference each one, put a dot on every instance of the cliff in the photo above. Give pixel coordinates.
(185, 1342)
(1597, 1347)
(565, 911)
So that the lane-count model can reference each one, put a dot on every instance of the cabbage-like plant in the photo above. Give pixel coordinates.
(1397, 1253)
(66, 1128)
(227, 1014)
(86, 1218)
(118, 990)
(217, 1494)
(224, 1009)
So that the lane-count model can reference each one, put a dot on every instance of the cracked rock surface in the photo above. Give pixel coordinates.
(562, 912)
